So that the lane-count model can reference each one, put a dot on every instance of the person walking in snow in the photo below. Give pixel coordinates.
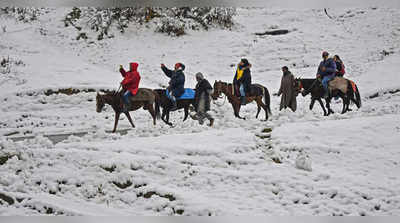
(326, 71)
(177, 82)
(202, 99)
(287, 90)
(242, 79)
(130, 83)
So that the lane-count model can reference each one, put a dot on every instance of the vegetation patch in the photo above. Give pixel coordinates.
(122, 185)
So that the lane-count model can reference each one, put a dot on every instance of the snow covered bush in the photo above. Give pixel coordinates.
(171, 27)
(23, 14)
(172, 21)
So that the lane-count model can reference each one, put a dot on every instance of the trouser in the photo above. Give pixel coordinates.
(201, 110)
(202, 115)
(126, 97)
(325, 81)
(241, 90)
(171, 96)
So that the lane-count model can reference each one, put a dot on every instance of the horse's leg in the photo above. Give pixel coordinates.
(312, 103)
(186, 110)
(116, 121)
(322, 106)
(130, 119)
(152, 112)
(238, 111)
(260, 104)
(346, 103)
(167, 120)
(328, 106)
(258, 108)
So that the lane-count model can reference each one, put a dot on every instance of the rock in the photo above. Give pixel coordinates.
(303, 162)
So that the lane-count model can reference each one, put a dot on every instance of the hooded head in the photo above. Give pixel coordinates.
(244, 63)
(179, 66)
(133, 66)
(199, 76)
(325, 55)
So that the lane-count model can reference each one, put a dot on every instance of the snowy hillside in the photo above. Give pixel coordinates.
(298, 163)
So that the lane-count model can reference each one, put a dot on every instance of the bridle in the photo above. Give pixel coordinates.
(218, 91)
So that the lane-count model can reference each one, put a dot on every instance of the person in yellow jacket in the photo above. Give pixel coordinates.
(242, 79)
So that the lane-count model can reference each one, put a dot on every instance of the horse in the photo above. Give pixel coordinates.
(147, 99)
(163, 101)
(256, 94)
(313, 86)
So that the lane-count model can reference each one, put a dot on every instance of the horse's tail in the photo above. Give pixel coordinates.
(157, 104)
(358, 98)
(355, 94)
(267, 99)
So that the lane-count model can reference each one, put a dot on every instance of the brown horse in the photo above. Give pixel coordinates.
(256, 94)
(144, 98)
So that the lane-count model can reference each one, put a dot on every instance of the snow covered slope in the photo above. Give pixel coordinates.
(308, 165)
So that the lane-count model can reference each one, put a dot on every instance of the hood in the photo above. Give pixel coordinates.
(133, 66)
(181, 66)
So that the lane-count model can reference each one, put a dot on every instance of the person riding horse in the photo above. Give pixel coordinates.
(242, 79)
(177, 82)
(326, 71)
(130, 83)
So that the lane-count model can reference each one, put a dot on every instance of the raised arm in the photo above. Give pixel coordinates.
(166, 71)
(122, 71)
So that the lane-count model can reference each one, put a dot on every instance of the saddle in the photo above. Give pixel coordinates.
(188, 94)
(338, 83)
(143, 94)
(255, 90)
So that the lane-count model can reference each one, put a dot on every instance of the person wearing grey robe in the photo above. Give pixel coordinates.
(202, 100)
(287, 90)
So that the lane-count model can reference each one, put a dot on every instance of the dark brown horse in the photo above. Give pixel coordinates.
(313, 86)
(256, 94)
(165, 103)
(147, 99)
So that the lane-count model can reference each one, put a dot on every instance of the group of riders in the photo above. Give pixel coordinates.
(328, 69)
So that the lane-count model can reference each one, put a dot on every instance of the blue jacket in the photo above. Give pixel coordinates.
(330, 66)
(177, 82)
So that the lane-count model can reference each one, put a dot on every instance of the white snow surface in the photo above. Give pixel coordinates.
(344, 164)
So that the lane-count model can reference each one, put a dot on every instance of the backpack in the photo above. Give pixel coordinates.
(342, 71)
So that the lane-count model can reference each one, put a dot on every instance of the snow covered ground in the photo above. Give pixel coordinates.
(308, 165)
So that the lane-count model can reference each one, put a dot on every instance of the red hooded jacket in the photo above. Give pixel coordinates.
(131, 78)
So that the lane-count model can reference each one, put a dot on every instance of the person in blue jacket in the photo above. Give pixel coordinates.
(326, 71)
(177, 83)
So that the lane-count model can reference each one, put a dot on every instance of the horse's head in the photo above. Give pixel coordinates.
(297, 84)
(217, 90)
(99, 102)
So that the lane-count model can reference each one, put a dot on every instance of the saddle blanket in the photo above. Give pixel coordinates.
(188, 94)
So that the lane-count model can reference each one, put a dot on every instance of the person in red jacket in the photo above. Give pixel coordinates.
(130, 83)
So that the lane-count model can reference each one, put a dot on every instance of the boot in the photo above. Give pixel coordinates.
(211, 122)
(242, 100)
(125, 108)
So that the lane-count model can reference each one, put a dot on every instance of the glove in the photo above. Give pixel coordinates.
(120, 66)
(162, 65)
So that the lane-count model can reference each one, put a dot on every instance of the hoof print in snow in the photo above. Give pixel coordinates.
(6, 198)
(178, 211)
(109, 169)
(276, 160)
(149, 194)
(123, 185)
(266, 130)
(5, 158)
